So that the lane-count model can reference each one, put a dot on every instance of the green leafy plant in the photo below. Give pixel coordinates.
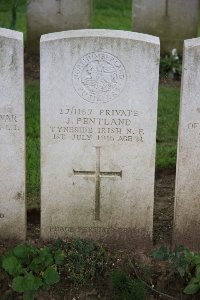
(84, 260)
(184, 262)
(171, 65)
(32, 268)
(176, 259)
(127, 288)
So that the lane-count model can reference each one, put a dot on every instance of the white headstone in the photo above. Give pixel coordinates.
(187, 199)
(171, 20)
(45, 16)
(12, 136)
(98, 135)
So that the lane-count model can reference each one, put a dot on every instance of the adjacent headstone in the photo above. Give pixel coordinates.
(172, 20)
(12, 136)
(98, 135)
(45, 16)
(187, 199)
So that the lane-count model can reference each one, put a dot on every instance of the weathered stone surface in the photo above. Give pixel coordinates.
(98, 135)
(12, 136)
(172, 20)
(46, 16)
(187, 200)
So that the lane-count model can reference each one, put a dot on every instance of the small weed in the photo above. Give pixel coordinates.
(184, 262)
(171, 65)
(32, 268)
(84, 260)
(127, 288)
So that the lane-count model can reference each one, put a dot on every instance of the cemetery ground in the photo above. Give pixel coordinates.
(100, 268)
(91, 271)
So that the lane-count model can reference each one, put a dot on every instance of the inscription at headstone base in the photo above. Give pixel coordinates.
(171, 20)
(12, 136)
(187, 196)
(98, 135)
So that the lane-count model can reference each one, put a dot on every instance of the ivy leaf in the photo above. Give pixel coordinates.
(196, 259)
(181, 271)
(194, 280)
(26, 283)
(161, 254)
(51, 276)
(43, 260)
(198, 272)
(24, 251)
(12, 266)
(36, 265)
(192, 288)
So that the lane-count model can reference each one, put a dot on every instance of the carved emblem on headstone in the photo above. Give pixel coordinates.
(99, 77)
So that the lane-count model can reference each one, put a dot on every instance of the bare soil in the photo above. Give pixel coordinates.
(32, 66)
(164, 206)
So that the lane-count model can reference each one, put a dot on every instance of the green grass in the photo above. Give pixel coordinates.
(168, 115)
(6, 17)
(107, 14)
(33, 144)
(112, 14)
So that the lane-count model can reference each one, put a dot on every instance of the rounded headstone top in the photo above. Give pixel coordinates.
(11, 34)
(116, 34)
(192, 43)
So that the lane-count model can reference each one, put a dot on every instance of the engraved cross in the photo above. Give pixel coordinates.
(97, 174)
